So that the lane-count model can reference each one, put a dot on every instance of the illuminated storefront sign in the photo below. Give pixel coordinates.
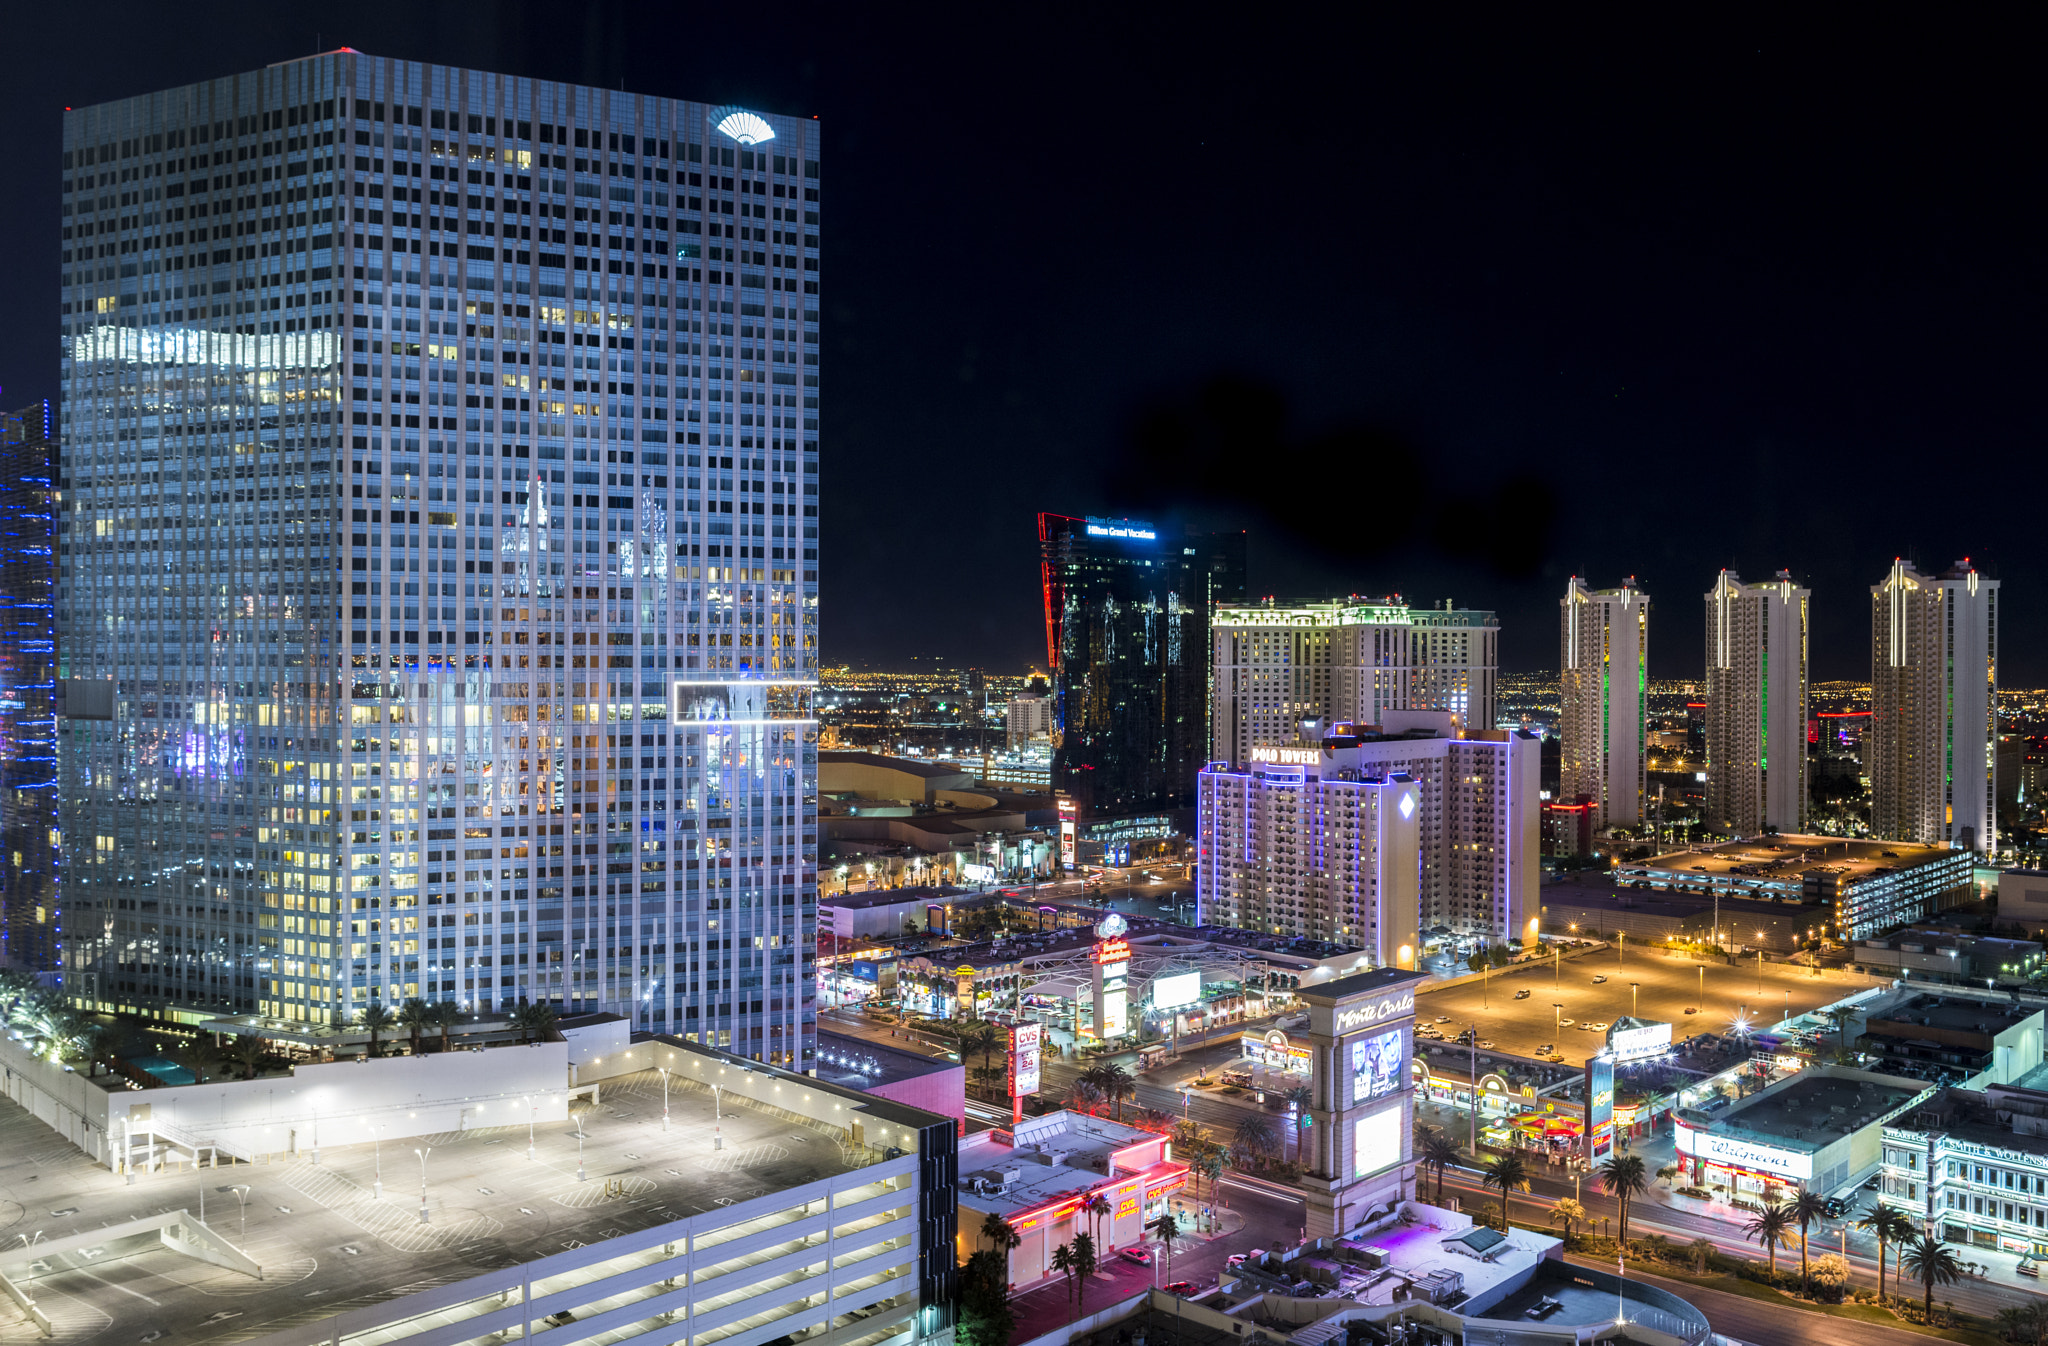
(1744, 1154)
(1391, 1008)
(1068, 846)
(1113, 951)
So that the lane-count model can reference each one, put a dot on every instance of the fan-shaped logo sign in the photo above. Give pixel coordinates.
(746, 127)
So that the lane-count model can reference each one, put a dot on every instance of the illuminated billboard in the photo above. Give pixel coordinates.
(1025, 1047)
(1182, 988)
(1376, 1142)
(1068, 813)
(1599, 1107)
(1375, 1066)
(1633, 1039)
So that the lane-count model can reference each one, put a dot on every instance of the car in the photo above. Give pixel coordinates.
(1546, 1049)
(1600, 979)
(1557, 1057)
(1182, 1288)
(1692, 1009)
(1522, 994)
(1485, 1045)
(1564, 1023)
(1596, 1027)
(1138, 1255)
(1443, 1018)
(1234, 1261)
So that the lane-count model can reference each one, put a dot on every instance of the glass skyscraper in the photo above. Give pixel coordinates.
(1127, 614)
(439, 550)
(30, 925)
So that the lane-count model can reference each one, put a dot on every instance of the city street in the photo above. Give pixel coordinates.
(1268, 1221)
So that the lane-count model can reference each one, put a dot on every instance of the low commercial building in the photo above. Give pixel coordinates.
(1958, 1037)
(1863, 887)
(1949, 956)
(1037, 1177)
(2023, 899)
(1820, 1129)
(934, 1083)
(1981, 1157)
(776, 1207)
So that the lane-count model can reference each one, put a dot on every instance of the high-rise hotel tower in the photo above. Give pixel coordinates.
(1756, 705)
(438, 591)
(1603, 649)
(1934, 707)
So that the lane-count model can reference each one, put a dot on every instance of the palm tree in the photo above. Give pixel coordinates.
(1115, 1083)
(1624, 1177)
(1569, 1211)
(99, 1042)
(1890, 1225)
(536, 1019)
(1084, 1267)
(1094, 1206)
(1509, 1174)
(1210, 1166)
(2016, 1323)
(1166, 1229)
(1440, 1152)
(1254, 1135)
(979, 1036)
(1931, 1263)
(1000, 1233)
(1083, 1096)
(1063, 1262)
(1806, 1208)
(1772, 1228)
(444, 1016)
(1841, 1016)
(375, 1018)
(1702, 1251)
(198, 1056)
(248, 1053)
(415, 1015)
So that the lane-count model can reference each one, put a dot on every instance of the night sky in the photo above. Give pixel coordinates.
(1453, 311)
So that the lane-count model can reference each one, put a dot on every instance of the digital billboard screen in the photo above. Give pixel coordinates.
(1599, 1107)
(1639, 1040)
(1182, 988)
(1375, 1065)
(1376, 1142)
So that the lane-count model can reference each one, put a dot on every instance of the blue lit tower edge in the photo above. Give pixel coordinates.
(31, 928)
(427, 427)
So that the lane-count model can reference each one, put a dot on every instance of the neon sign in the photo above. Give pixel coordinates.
(1122, 530)
(1389, 1008)
(744, 126)
(1288, 756)
(1116, 950)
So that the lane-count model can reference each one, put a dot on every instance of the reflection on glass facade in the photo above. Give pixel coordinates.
(428, 426)
(31, 929)
(1127, 611)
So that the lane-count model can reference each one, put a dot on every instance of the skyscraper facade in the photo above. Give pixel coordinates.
(1127, 617)
(439, 557)
(1756, 705)
(1604, 637)
(1933, 736)
(31, 928)
(1279, 667)
(1462, 858)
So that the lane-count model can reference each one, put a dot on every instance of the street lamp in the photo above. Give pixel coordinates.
(1635, 993)
(533, 1111)
(581, 1176)
(1556, 1017)
(423, 1182)
(664, 1096)
(377, 1150)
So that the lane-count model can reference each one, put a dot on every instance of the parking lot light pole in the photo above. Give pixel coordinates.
(1635, 1003)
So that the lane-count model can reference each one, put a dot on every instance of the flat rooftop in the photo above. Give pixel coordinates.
(1952, 1014)
(1783, 858)
(1080, 1141)
(858, 1063)
(327, 1243)
(1815, 1108)
(1600, 895)
(890, 897)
